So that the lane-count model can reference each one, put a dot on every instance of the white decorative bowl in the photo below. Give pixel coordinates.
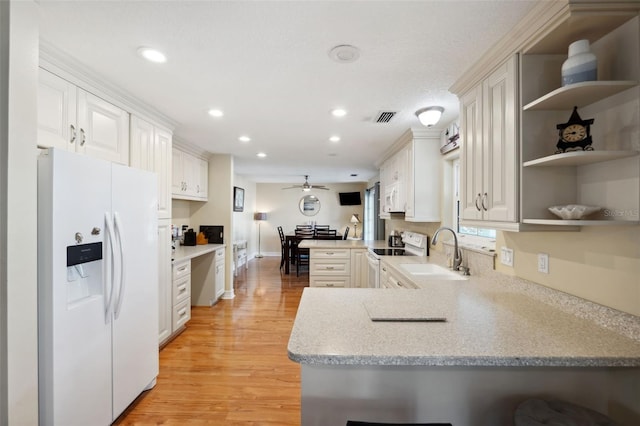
(573, 211)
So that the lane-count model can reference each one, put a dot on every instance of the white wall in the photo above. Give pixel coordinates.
(281, 206)
(244, 227)
(19, 260)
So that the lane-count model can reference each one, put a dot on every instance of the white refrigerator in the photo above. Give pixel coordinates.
(97, 288)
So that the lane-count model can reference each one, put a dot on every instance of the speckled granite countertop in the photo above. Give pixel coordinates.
(490, 322)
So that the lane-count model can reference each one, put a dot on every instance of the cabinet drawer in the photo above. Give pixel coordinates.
(330, 254)
(181, 289)
(219, 253)
(181, 314)
(181, 269)
(329, 281)
(394, 282)
(329, 267)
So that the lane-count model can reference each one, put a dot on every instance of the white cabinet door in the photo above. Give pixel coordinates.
(489, 151)
(359, 268)
(471, 162)
(219, 275)
(56, 112)
(165, 281)
(142, 135)
(203, 180)
(103, 129)
(499, 144)
(191, 174)
(150, 150)
(163, 163)
(178, 185)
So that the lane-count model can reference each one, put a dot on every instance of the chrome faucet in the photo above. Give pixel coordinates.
(457, 257)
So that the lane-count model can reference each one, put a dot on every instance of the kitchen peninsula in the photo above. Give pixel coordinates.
(504, 340)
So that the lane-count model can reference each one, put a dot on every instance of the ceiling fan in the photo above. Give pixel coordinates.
(306, 186)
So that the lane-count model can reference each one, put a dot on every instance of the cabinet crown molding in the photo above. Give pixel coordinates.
(63, 65)
(529, 31)
(404, 139)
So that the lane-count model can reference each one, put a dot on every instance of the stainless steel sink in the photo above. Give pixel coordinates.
(432, 272)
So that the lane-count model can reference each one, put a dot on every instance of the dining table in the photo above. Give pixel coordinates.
(290, 238)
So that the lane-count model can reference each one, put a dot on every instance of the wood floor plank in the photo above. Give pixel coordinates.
(230, 366)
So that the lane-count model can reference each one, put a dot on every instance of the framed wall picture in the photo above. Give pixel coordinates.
(238, 199)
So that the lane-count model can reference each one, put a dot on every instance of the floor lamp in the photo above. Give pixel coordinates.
(260, 216)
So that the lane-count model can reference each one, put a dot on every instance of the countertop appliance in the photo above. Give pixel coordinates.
(415, 245)
(97, 287)
(214, 233)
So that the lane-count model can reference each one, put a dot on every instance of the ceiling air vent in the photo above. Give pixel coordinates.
(384, 116)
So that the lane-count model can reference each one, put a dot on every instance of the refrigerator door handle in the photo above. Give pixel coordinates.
(119, 233)
(112, 241)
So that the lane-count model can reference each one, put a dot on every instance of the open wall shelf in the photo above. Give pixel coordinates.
(578, 158)
(578, 94)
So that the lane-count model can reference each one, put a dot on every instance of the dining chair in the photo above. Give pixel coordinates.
(304, 227)
(346, 233)
(326, 234)
(302, 255)
(283, 246)
(318, 227)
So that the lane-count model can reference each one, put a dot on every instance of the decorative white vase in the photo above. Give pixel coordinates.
(581, 65)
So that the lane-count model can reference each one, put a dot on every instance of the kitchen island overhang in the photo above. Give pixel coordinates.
(497, 348)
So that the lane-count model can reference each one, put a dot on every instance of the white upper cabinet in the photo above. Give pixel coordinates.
(489, 172)
(423, 180)
(151, 150)
(73, 119)
(410, 178)
(190, 177)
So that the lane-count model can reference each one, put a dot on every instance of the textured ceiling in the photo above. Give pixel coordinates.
(266, 65)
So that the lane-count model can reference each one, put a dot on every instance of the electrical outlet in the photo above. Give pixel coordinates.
(506, 256)
(543, 263)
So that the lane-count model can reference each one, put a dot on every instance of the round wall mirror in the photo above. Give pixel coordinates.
(309, 205)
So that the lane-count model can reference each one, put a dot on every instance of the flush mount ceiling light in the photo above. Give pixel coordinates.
(261, 154)
(152, 55)
(430, 115)
(344, 53)
(338, 112)
(244, 139)
(334, 138)
(216, 113)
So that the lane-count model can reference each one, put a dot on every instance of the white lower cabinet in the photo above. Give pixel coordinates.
(219, 273)
(181, 295)
(164, 280)
(338, 268)
(359, 268)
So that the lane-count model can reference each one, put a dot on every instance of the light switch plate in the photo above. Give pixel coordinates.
(543, 263)
(506, 256)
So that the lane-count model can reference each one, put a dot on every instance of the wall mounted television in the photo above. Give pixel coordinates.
(350, 198)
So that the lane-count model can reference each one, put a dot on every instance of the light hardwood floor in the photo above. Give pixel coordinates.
(230, 366)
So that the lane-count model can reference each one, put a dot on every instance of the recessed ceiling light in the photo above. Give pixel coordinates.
(344, 53)
(338, 112)
(152, 55)
(261, 154)
(244, 139)
(216, 113)
(334, 138)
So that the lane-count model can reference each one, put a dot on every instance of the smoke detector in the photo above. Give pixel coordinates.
(344, 53)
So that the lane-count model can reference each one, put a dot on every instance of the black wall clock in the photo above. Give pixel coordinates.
(575, 134)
